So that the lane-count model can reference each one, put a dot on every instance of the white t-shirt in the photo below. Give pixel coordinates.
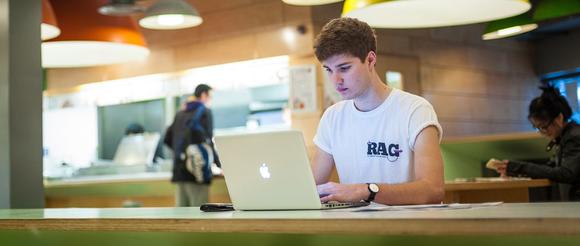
(375, 146)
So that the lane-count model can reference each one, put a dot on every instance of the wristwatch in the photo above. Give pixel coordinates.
(373, 189)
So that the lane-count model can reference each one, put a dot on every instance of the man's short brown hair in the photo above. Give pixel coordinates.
(345, 36)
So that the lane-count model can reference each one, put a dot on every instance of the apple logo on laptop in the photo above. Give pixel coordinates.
(265, 171)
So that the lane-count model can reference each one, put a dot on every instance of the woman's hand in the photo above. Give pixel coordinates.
(502, 168)
(499, 166)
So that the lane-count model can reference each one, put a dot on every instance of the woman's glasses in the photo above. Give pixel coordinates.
(544, 128)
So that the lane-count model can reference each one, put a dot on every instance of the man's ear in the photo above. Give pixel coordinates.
(372, 59)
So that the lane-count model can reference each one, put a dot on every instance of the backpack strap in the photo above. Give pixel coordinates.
(195, 121)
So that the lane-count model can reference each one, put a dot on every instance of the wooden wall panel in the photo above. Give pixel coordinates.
(476, 86)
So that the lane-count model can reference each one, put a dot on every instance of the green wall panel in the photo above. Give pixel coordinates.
(60, 238)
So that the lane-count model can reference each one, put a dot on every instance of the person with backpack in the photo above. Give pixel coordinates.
(190, 137)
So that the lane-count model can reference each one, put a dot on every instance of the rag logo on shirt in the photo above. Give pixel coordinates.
(380, 149)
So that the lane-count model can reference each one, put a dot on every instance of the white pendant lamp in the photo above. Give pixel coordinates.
(49, 27)
(170, 14)
(431, 13)
(310, 2)
(91, 39)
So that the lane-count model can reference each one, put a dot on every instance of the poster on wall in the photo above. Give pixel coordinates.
(303, 89)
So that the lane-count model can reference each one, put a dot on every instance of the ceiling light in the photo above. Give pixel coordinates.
(431, 13)
(289, 35)
(310, 2)
(120, 8)
(90, 39)
(170, 14)
(509, 27)
(49, 27)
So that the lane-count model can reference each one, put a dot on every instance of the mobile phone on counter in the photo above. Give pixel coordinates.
(216, 207)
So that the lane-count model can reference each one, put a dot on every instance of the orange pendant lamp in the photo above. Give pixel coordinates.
(91, 39)
(49, 27)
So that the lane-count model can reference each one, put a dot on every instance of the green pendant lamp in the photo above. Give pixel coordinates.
(431, 13)
(509, 27)
(310, 2)
(544, 10)
(550, 9)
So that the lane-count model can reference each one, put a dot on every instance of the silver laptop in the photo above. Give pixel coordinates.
(270, 171)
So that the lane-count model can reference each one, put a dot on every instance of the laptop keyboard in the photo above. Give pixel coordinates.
(331, 205)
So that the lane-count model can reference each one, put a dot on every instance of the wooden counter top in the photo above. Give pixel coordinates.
(505, 219)
(496, 184)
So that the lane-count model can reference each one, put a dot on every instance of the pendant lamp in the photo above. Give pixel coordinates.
(310, 2)
(91, 39)
(431, 13)
(49, 27)
(509, 27)
(120, 8)
(170, 14)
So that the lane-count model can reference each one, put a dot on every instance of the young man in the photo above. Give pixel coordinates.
(383, 142)
(190, 192)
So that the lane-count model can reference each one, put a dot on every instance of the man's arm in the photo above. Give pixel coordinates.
(322, 165)
(428, 186)
(168, 139)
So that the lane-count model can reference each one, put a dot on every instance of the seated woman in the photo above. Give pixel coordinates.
(550, 114)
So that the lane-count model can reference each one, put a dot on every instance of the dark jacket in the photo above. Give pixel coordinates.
(564, 168)
(175, 134)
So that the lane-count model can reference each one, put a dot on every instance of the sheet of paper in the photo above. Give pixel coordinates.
(424, 207)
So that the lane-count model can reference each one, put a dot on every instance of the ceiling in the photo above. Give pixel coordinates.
(546, 29)
(551, 28)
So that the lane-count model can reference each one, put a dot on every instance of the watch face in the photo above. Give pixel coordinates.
(374, 188)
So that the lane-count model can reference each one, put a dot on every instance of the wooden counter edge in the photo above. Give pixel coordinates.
(531, 226)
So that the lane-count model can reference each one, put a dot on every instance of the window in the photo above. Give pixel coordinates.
(569, 86)
(394, 79)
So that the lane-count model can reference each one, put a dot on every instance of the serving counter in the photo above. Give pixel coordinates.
(155, 190)
(130, 190)
(508, 224)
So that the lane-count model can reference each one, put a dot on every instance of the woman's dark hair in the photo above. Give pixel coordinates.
(549, 105)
